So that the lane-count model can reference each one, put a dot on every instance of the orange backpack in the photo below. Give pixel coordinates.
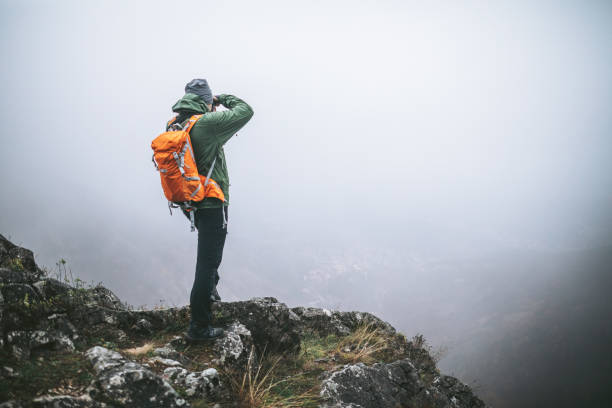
(174, 159)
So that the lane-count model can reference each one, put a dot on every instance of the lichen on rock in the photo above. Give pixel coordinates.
(127, 383)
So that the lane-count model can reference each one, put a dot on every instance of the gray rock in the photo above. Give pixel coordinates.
(167, 352)
(176, 375)
(378, 386)
(135, 323)
(8, 275)
(352, 320)
(66, 401)
(233, 348)
(19, 293)
(11, 404)
(170, 353)
(164, 361)
(18, 259)
(23, 343)
(142, 327)
(127, 383)
(92, 315)
(202, 384)
(455, 392)
(273, 325)
(103, 297)
(49, 288)
(321, 321)
(325, 322)
(392, 385)
(59, 323)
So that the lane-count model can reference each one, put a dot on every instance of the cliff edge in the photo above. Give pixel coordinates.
(66, 344)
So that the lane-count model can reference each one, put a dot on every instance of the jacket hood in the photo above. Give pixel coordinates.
(190, 103)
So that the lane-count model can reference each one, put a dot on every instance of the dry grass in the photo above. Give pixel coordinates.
(255, 388)
(138, 351)
(362, 345)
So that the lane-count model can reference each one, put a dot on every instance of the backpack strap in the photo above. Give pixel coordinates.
(171, 121)
(212, 166)
(192, 121)
(187, 129)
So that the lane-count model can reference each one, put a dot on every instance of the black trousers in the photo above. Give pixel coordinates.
(212, 230)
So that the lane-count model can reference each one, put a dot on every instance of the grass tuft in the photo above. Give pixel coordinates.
(363, 345)
(138, 351)
(261, 385)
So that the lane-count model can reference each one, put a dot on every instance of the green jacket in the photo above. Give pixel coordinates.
(210, 133)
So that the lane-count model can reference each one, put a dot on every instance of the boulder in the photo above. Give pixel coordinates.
(18, 259)
(456, 392)
(274, 327)
(23, 343)
(126, 383)
(233, 348)
(391, 385)
(103, 297)
(325, 322)
(135, 323)
(321, 321)
(201, 384)
(352, 320)
(377, 386)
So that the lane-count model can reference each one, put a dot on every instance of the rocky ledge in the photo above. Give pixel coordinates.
(63, 344)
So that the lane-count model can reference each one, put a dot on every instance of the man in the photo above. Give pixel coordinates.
(208, 136)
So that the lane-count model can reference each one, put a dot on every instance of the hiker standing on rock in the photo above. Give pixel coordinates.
(208, 134)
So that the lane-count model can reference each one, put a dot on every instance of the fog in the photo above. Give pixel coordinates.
(440, 164)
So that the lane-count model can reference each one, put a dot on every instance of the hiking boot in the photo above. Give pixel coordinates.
(214, 296)
(198, 334)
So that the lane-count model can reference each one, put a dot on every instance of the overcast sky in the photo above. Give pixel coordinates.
(386, 134)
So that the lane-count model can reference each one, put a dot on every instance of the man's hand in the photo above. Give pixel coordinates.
(215, 103)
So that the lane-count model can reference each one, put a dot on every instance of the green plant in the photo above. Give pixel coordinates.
(63, 273)
(16, 264)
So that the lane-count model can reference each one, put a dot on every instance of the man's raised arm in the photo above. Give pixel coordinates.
(228, 122)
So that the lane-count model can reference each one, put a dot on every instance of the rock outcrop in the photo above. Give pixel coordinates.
(273, 325)
(397, 384)
(129, 384)
(113, 356)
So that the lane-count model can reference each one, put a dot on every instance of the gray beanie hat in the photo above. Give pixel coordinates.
(200, 87)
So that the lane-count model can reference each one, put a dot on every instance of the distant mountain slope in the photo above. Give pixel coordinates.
(546, 340)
